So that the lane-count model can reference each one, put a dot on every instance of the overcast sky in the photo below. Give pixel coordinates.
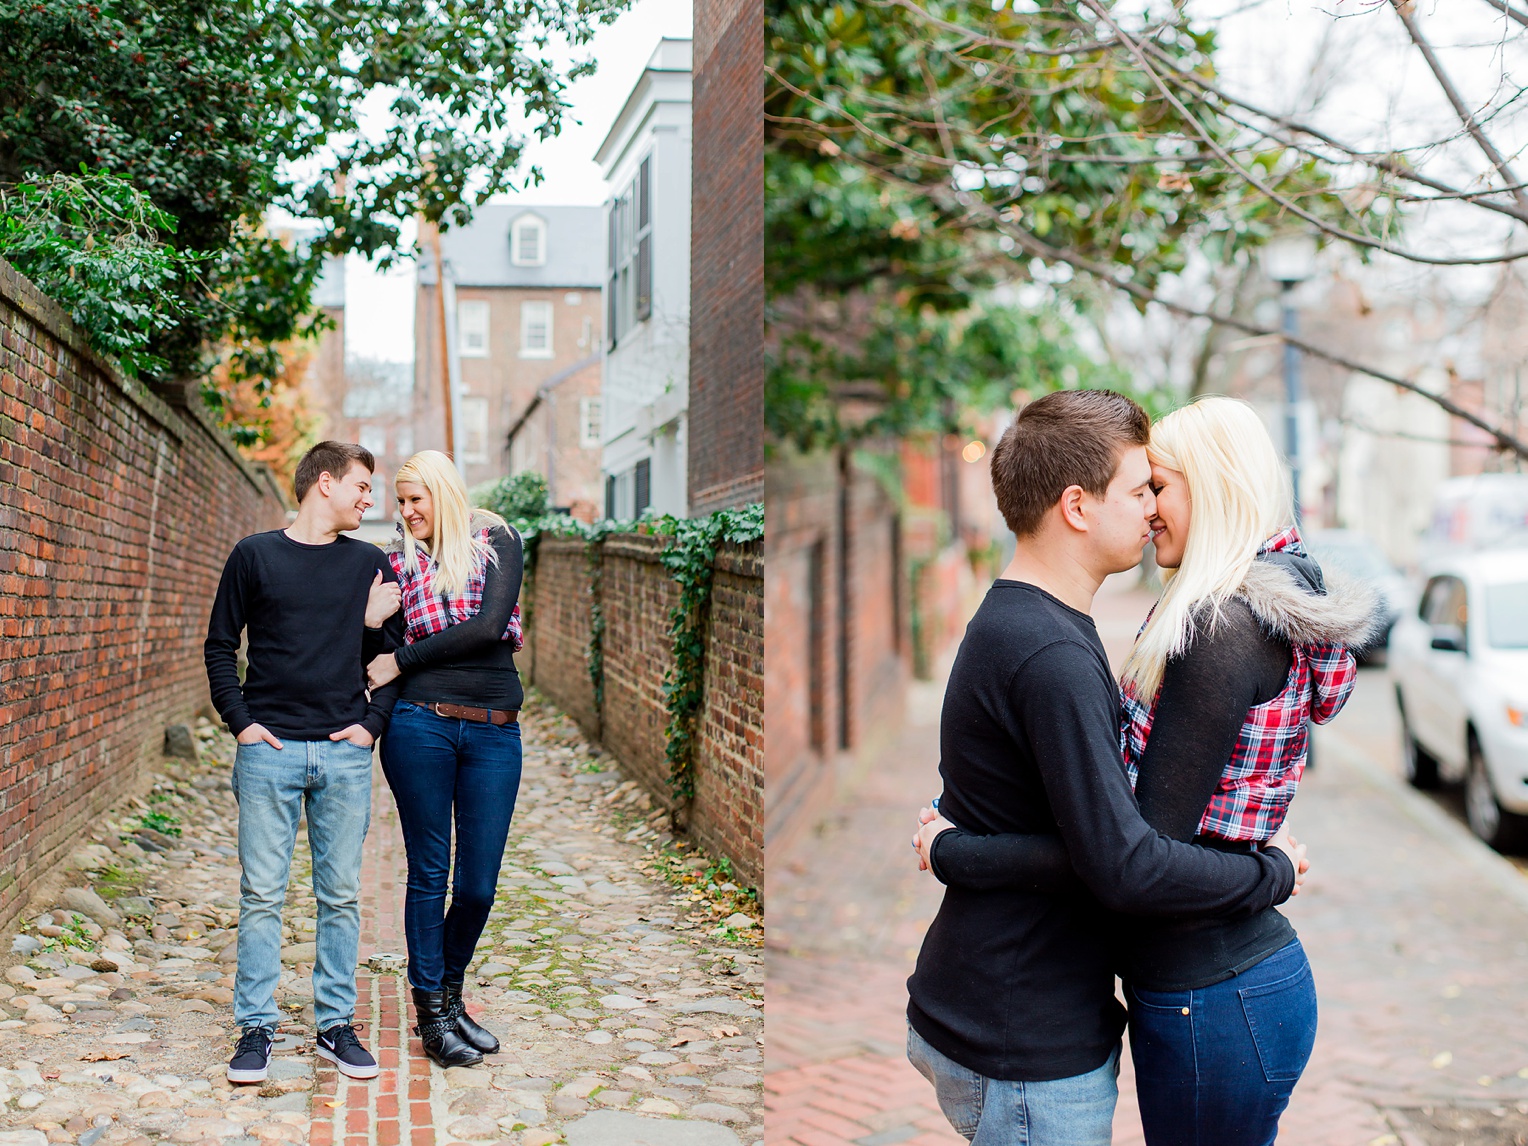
(379, 318)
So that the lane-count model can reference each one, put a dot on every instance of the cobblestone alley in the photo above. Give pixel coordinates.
(619, 976)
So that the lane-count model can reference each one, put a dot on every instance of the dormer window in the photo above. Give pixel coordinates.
(527, 242)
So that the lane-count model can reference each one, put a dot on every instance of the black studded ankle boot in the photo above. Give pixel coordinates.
(437, 1030)
(473, 1034)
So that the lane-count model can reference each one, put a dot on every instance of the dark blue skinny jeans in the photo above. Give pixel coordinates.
(1216, 1066)
(444, 772)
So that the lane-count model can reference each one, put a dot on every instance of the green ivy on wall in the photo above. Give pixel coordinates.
(690, 558)
(595, 654)
(691, 561)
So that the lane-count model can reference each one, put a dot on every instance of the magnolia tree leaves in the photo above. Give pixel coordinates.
(350, 116)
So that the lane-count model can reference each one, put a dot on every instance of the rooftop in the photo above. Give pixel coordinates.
(479, 253)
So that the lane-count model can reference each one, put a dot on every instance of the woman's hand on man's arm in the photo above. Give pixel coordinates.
(382, 670)
(382, 601)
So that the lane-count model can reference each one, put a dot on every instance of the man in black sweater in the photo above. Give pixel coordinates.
(315, 606)
(1012, 1010)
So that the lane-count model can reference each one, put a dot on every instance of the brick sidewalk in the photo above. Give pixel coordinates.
(1418, 936)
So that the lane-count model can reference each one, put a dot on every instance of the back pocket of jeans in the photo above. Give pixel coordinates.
(1282, 1019)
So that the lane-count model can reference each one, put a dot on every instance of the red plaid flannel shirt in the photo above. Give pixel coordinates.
(426, 612)
(1265, 767)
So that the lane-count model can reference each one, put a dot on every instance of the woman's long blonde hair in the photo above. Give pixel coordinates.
(455, 546)
(1240, 494)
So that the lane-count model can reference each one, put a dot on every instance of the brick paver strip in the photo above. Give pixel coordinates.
(368, 1112)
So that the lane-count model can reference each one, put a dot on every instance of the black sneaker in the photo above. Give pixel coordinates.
(252, 1057)
(340, 1046)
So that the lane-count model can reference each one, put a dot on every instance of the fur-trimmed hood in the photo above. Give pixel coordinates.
(1292, 600)
(478, 523)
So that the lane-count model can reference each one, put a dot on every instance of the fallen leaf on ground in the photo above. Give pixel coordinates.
(725, 1032)
(104, 1056)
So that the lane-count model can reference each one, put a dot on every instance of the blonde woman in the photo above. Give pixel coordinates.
(1246, 646)
(452, 750)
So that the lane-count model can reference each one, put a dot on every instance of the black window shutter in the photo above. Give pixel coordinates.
(610, 496)
(644, 193)
(611, 330)
(645, 278)
(644, 299)
(644, 484)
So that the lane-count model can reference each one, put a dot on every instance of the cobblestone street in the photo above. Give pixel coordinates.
(1418, 935)
(623, 1004)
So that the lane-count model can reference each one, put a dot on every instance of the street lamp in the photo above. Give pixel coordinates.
(1288, 260)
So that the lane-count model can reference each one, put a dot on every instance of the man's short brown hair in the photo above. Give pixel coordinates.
(332, 458)
(1067, 438)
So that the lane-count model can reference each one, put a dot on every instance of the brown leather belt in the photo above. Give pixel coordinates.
(480, 715)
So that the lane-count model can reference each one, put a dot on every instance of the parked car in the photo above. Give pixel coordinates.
(1359, 555)
(1459, 665)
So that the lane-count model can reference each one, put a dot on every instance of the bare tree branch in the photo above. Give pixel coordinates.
(1263, 188)
(862, 127)
(1384, 163)
(1041, 249)
(1507, 10)
(1466, 116)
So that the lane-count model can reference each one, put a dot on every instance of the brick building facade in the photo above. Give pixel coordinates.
(726, 441)
(524, 290)
(118, 507)
(634, 596)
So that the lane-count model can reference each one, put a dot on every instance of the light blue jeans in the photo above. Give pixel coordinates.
(331, 779)
(1076, 1111)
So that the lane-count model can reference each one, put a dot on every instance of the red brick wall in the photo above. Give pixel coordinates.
(729, 791)
(555, 657)
(636, 594)
(117, 510)
(836, 615)
(726, 410)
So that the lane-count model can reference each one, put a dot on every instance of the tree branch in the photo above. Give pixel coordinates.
(1262, 188)
(1466, 116)
(1379, 162)
(1040, 249)
(1507, 10)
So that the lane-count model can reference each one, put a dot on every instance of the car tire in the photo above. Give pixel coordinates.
(1494, 825)
(1421, 765)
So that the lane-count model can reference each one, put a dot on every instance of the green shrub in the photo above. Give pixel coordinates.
(523, 496)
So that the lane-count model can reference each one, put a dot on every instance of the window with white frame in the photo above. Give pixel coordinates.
(590, 420)
(472, 328)
(474, 429)
(629, 257)
(403, 438)
(535, 330)
(527, 244)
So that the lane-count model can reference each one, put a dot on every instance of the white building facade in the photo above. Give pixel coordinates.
(646, 163)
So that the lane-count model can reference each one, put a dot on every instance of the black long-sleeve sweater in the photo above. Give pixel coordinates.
(1019, 984)
(304, 608)
(470, 662)
(1205, 696)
